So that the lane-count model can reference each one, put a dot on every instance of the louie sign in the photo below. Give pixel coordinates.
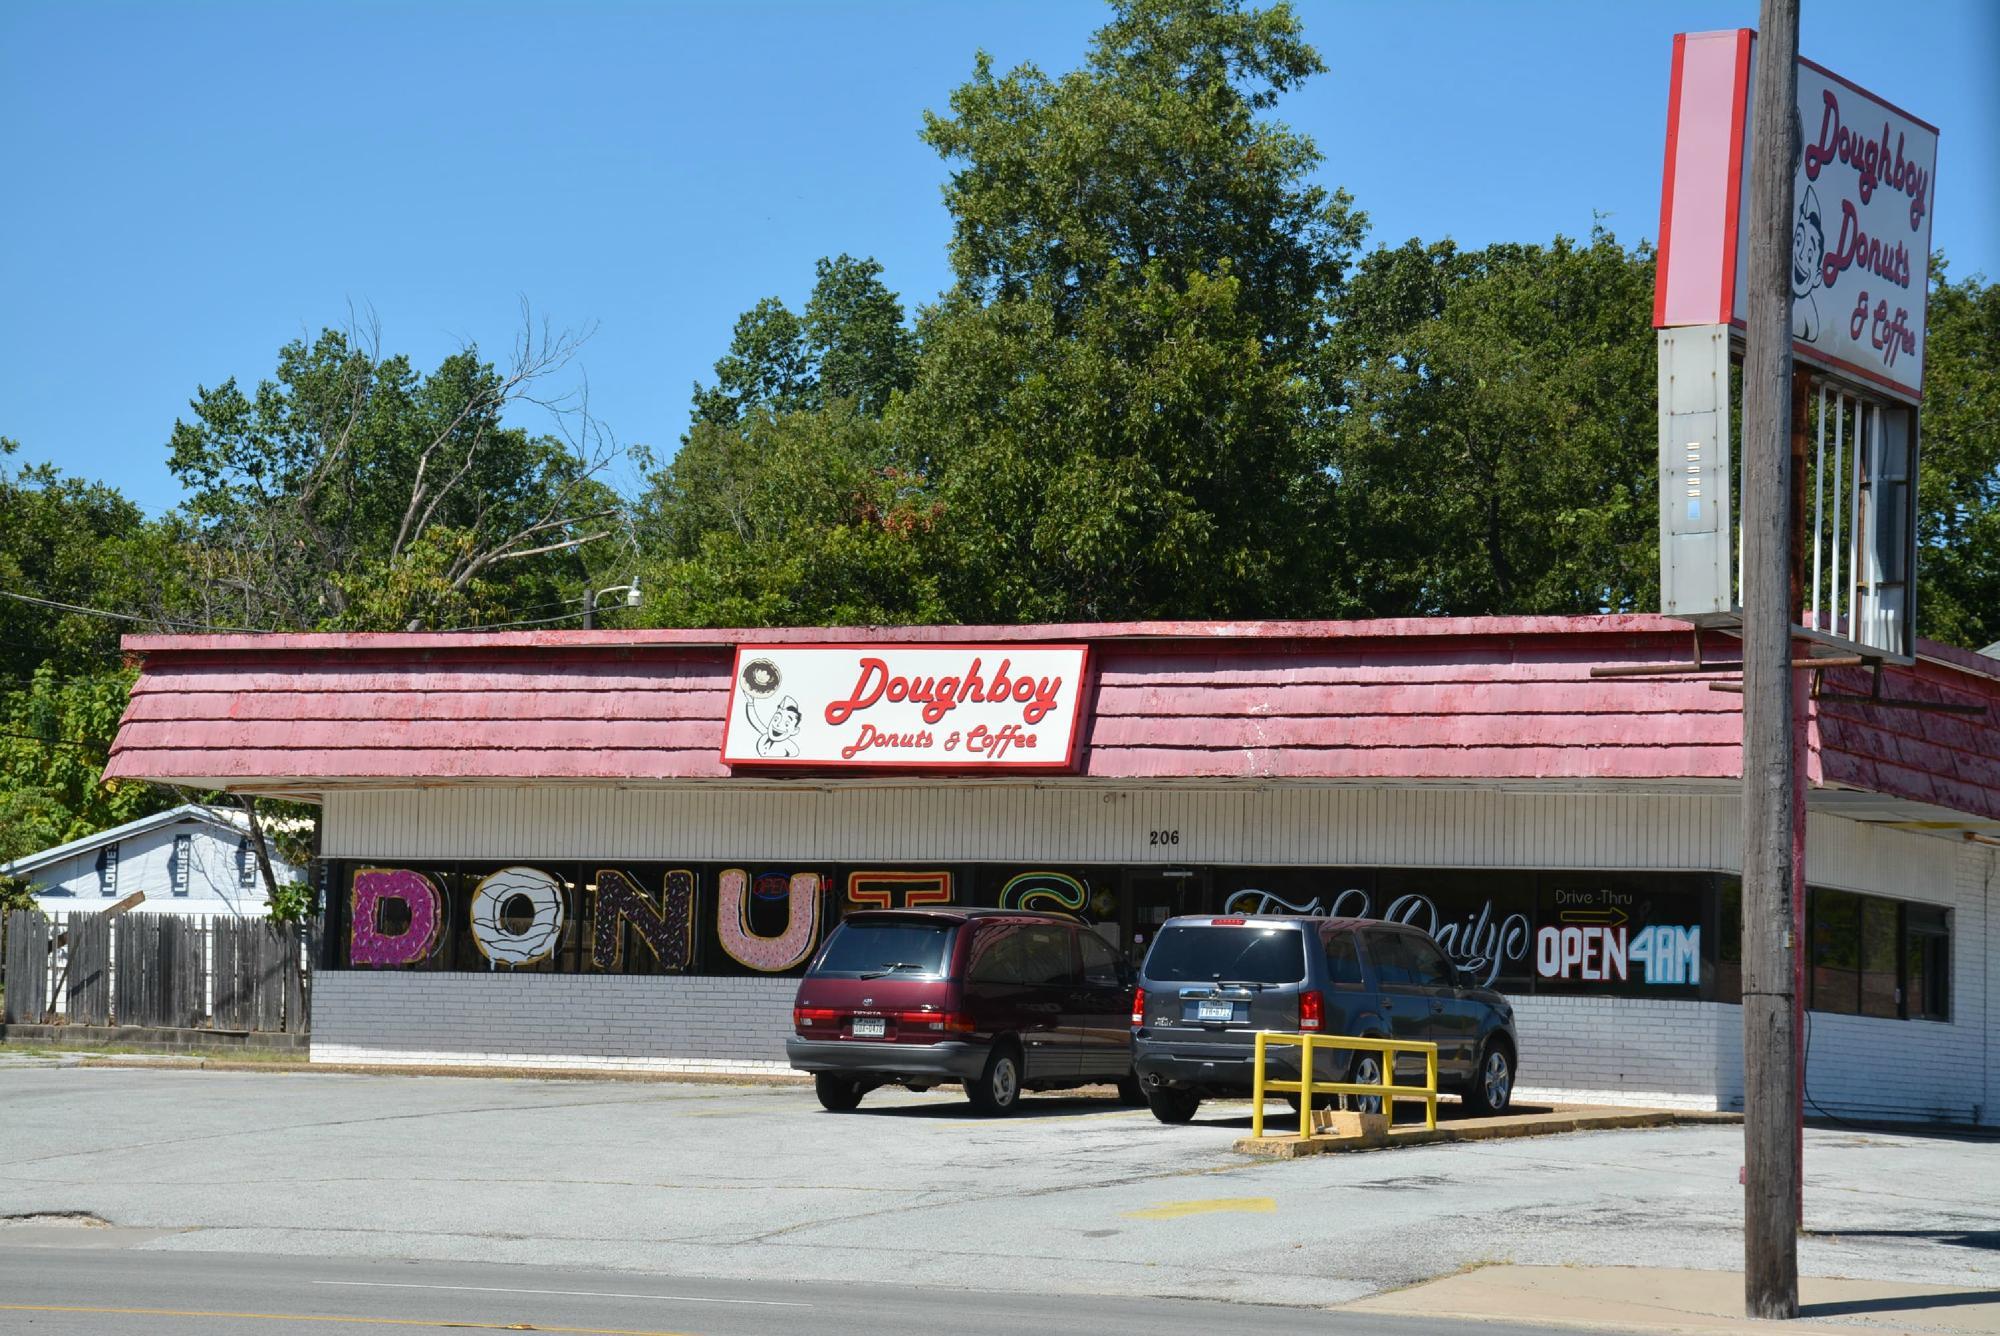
(1863, 185)
(956, 707)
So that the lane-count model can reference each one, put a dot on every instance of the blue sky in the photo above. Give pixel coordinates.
(187, 186)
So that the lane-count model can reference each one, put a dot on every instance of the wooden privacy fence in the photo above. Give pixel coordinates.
(156, 970)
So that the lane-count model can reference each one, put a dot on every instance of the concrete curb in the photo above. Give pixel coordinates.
(303, 1068)
(1681, 1302)
(1552, 1123)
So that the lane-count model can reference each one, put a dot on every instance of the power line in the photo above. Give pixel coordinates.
(117, 616)
(247, 630)
(507, 626)
(91, 747)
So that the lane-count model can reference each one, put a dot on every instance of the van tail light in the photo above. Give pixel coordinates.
(813, 1018)
(1312, 1010)
(1228, 923)
(1138, 1007)
(949, 1022)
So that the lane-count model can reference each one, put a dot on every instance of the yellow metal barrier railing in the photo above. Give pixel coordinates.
(1305, 1087)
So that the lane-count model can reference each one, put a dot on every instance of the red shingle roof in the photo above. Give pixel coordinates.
(1441, 699)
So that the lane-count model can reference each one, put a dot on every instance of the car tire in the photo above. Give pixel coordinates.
(1172, 1106)
(997, 1092)
(1492, 1091)
(1366, 1069)
(837, 1094)
(1130, 1091)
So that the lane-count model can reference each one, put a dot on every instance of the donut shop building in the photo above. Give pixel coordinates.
(588, 849)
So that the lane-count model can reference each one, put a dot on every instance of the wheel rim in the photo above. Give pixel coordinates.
(1006, 1083)
(1367, 1071)
(1499, 1079)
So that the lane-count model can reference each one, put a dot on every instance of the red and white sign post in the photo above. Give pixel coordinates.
(1862, 191)
(1864, 187)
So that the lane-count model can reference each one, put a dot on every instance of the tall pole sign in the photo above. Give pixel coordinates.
(1863, 181)
(1795, 225)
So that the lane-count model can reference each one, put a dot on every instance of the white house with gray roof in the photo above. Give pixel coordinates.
(191, 859)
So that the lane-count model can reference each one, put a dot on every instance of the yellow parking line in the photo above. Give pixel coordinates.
(1175, 1210)
(460, 1324)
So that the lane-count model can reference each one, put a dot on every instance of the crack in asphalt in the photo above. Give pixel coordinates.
(1019, 1194)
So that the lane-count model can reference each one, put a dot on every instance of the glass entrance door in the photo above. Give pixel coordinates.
(1151, 899)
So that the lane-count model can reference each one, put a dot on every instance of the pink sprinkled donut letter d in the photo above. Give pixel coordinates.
(369, 945)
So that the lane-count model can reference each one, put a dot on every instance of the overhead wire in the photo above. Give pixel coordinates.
(179, 624)
(107, 612)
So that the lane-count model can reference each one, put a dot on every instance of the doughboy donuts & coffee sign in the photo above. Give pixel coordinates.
(955, 707)
(1865, 175)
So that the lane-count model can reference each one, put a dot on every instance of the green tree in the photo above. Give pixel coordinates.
(68, 541)
(792, 519)
(851, 343)
(1496, 451)
(353, 492)
(56, 734)
(1958, 525)
(1116, 401)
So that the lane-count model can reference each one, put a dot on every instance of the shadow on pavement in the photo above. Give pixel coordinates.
(1986, 1239)
(1449, 1111)
(1908, 1303)
(1029, 1108)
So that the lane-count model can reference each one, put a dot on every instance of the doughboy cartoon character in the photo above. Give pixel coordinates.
(1808, 249)
(777, 736)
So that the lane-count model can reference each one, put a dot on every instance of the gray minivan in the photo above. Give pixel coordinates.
(1210, 982)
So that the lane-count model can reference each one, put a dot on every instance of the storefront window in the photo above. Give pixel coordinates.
(1873, 956)
(1729, 942)
(1879, 990)
(1589, 933)
(1927, 963)
(1834, 925)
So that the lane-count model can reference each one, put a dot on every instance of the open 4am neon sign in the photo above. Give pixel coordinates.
(923, 707)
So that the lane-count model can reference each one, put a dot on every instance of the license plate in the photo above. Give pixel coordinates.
(1214, 1011)
(870, 1027)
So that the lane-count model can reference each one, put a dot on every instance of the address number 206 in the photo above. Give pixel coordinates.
(1164, 838)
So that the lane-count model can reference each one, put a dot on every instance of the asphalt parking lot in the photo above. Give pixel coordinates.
(1074, 1194)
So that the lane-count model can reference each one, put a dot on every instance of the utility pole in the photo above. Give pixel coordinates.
(1772, 1162)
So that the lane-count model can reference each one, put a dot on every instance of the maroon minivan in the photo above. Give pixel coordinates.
(1002, 1000)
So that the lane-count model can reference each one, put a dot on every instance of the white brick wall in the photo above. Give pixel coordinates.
(1979, 876)
(630, 1022)
(1600, 1050)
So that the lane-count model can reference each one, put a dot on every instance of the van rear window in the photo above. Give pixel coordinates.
(882, 947)
(1250, 954)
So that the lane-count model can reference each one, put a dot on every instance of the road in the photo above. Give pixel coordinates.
(106, 1292)
(1075, 1196)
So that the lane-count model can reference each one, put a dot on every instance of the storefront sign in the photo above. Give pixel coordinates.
(1558, 932)
(1865, 179)
(1666, 953)
(956, 707)
(1484, 941)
